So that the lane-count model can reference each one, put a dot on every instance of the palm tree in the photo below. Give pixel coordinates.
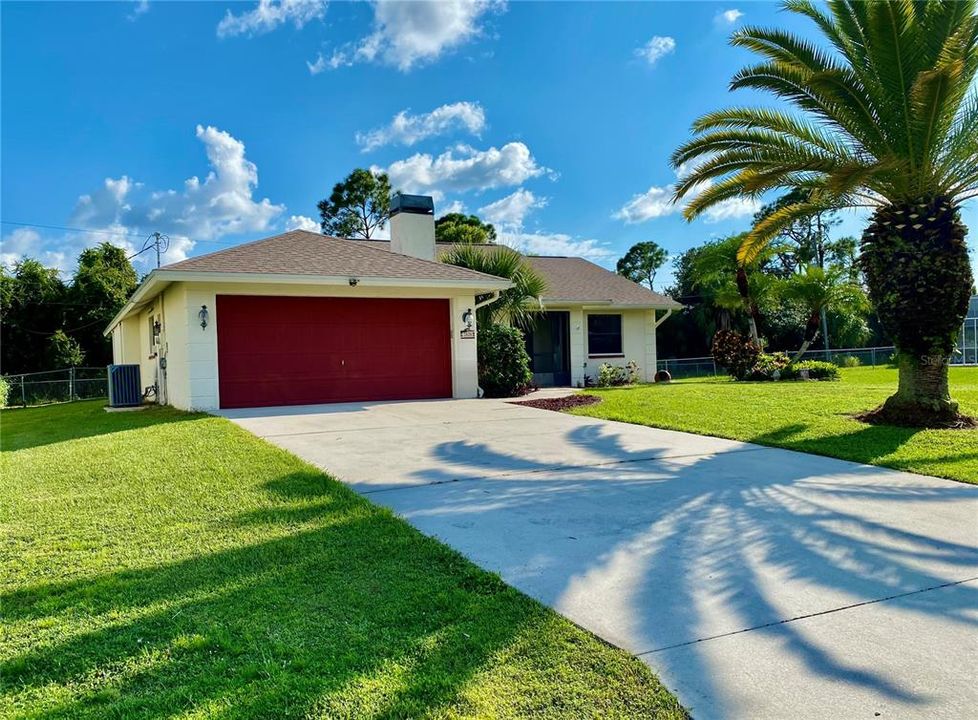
(886, 119)
(819, 290)
(515, 305)
(733, 285)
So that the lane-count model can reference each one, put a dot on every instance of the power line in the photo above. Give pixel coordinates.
(70, 229)
(98, 232)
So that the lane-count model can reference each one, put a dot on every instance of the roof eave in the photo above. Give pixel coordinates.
(159, 279)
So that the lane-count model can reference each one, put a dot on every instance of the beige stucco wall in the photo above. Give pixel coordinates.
(638, 341)
(191, 352)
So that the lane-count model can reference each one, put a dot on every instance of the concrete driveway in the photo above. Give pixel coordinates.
(758, 583)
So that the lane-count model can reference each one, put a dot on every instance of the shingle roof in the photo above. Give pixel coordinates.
(576, 280)
(300, 252)
(579, 280)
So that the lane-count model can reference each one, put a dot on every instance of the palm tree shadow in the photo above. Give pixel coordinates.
(337, 595)
(654, 551)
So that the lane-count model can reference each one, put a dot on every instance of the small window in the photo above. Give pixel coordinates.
(604, 334)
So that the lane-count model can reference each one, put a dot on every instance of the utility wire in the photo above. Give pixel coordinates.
(97, 232)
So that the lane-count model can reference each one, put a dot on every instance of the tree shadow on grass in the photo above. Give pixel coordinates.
(25, 428)
(342, 611)
(872, 444)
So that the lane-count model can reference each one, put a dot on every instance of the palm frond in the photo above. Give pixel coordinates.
(515, 304)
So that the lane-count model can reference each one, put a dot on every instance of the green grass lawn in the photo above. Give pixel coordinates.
(812, 417)
(166, 564)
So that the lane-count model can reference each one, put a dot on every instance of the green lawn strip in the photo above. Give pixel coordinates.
(813, 417)
(160, 563)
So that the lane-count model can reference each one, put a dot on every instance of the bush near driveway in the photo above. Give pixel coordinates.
(160, 563)
(504, 366)
(815, 417)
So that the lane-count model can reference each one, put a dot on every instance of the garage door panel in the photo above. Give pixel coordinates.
(299, 350)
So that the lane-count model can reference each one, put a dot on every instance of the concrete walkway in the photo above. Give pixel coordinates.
(758, 583)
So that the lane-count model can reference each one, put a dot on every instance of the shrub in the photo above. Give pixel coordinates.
(504, 366)
(614, 375)
(4, 392)
(64, 351)
(735, 353)
(817, 370)
(851, 361)
(768, 364)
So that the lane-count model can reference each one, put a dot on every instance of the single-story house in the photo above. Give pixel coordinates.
(303, 318)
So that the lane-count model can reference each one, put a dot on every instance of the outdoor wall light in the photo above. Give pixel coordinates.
(467, 319)
(354, 282)
(202, 316)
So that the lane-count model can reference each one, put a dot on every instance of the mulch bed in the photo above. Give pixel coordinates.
(558, 404)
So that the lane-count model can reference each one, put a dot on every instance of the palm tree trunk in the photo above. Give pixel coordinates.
(919, 277)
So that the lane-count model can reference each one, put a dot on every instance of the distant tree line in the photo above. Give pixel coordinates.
(47, 323)
(803, 288)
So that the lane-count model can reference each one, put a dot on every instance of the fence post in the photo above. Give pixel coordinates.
(23, 392)
(71, 383)
(873, 355)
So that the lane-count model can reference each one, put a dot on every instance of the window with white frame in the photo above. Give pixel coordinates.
(604, 335)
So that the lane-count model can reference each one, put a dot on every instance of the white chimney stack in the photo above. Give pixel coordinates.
(413, 226)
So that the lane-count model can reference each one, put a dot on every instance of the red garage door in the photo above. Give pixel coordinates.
(301, 350)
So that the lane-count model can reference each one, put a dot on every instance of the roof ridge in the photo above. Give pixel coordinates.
(299, 233)
(359, 243)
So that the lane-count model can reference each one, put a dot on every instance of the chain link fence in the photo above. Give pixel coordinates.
(53, 386)
(966, 354)
(843, 357)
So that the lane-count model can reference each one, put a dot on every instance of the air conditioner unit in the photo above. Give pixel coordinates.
(124, 387)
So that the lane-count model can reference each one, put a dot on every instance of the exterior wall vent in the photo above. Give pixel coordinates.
(124, 387)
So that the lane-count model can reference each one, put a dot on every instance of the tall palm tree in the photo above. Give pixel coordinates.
(885, 118)
(514, 305)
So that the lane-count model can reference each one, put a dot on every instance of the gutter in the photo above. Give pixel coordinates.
(165, 277)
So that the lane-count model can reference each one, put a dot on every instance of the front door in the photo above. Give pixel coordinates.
(548, 345)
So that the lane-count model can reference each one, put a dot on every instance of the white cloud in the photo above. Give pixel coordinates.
(465, 168)
(268, 15)
(657, 202)
(141, 8)
(407, 34)
(656, 48)
(407, 129)
(558, 244)
(654, 202)
(123, 212)
(512, 209)
(318, 66)
(18, 244)
(302, 222)
(222, 204)
(455, 206)
(728, 17)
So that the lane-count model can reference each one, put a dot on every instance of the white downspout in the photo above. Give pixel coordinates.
(491, 299)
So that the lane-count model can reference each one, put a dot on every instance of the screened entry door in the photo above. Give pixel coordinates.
(548, 345)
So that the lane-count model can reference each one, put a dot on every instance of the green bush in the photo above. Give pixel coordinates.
(768, 364)
(735, 353)
(817, 370)
(4, 391)
(851, 361)
(504, 366)
(612, 375)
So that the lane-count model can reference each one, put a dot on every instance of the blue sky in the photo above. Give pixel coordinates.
(222, 122)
